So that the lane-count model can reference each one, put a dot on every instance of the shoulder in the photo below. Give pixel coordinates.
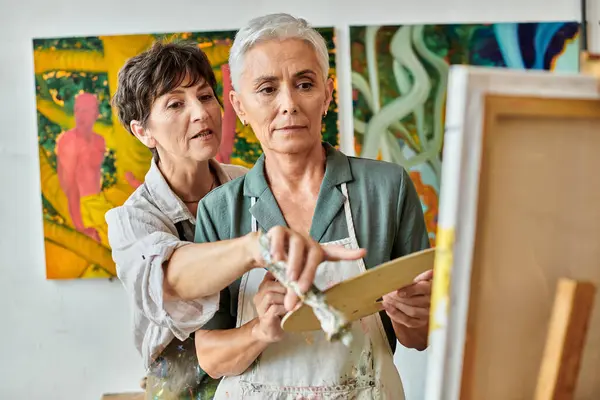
(140, 199)
(219, 211)
(67, 136)
(137, 216)
(380, 174)
(99, 139)
(65, 141)
(234, 171)
(224, 196)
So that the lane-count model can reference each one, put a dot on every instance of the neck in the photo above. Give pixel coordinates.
(295, 172)
(190, 180)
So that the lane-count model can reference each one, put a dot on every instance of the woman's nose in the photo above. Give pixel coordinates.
(198, 112)
(288, 102)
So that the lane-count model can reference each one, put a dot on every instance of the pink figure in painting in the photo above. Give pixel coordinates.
(132, 180)
(229, 119)
(80, 153)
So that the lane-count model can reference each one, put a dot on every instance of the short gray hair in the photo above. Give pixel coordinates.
(274, 27)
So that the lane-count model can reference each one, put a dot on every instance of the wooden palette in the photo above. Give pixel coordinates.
(360, 296)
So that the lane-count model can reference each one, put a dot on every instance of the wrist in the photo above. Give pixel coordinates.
(252, 251)
(412, 338)
(257, 333)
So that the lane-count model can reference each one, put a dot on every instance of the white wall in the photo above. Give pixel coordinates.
(71, 340)
(593, 18)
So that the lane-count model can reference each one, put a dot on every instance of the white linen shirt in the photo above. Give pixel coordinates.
(142, 235)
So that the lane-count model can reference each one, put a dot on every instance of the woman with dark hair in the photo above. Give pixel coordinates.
(166, 97)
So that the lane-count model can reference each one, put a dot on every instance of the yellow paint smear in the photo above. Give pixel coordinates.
(441, 277)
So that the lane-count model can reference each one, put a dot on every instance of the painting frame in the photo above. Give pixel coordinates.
(67, 68)
(399, 84)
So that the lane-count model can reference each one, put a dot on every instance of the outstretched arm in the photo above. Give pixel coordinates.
(191, 275)
(187, 271)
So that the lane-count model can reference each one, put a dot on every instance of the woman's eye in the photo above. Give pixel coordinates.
(175, 104)
(305, 85)
(267, 90)
(206, 97)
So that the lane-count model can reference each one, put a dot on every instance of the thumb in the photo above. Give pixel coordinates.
(425, 276)
(337, 252)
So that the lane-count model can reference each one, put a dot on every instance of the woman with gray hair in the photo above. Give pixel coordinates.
(279, 67)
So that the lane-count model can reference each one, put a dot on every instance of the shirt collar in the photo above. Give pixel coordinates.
(166, 200)
(337, 171)
(330, 201)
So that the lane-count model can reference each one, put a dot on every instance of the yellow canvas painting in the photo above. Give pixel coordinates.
(88, 162)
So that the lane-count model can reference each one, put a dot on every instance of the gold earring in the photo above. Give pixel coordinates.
(325, 114)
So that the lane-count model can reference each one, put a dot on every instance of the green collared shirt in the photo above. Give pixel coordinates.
(387, 213)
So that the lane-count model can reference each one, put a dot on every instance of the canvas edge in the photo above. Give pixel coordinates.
(458, 202)
(453, 156)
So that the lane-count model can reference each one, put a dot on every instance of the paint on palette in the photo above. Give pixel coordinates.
(399, 77)
(75, 78)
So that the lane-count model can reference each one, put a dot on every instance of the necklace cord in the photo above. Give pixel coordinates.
(212, 186)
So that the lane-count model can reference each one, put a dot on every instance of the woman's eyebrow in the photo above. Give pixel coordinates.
(304, 72)
(265, 78)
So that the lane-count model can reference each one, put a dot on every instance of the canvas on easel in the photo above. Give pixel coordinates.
(519, 211)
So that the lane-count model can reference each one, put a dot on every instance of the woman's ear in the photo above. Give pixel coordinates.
(234, 98)
(142, 134)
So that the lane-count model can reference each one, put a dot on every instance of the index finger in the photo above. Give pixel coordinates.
(425, 276)
(295, 256)
(313, 258)
(278, 239)
(338, 252)
(415, 289)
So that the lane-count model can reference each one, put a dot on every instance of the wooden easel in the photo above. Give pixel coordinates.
(570, 317)
(565, 342)
(518, 215)
(590, 64)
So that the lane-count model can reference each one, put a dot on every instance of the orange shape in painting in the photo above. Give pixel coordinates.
(429, 198)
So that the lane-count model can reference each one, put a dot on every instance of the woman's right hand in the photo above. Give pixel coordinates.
(302, 255)
(269, 307)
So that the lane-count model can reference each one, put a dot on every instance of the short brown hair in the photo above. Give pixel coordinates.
(158, 70)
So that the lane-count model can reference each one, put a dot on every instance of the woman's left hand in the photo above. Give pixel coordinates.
(409, 306)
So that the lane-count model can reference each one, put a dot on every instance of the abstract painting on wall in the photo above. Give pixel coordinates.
(88, 162)
(399, 76)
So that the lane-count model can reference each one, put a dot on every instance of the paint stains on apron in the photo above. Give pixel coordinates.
(305, 366)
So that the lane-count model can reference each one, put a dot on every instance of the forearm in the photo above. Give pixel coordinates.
(412, 338)
(228, 352)
(202, 269)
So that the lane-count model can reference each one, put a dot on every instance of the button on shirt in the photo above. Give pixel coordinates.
(143, 235)
(385, 206)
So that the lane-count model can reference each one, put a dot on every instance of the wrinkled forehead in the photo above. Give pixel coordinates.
(279, 58)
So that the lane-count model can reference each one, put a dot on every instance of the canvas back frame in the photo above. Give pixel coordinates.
(517, 213)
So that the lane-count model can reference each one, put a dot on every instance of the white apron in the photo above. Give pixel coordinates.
(307, 366)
